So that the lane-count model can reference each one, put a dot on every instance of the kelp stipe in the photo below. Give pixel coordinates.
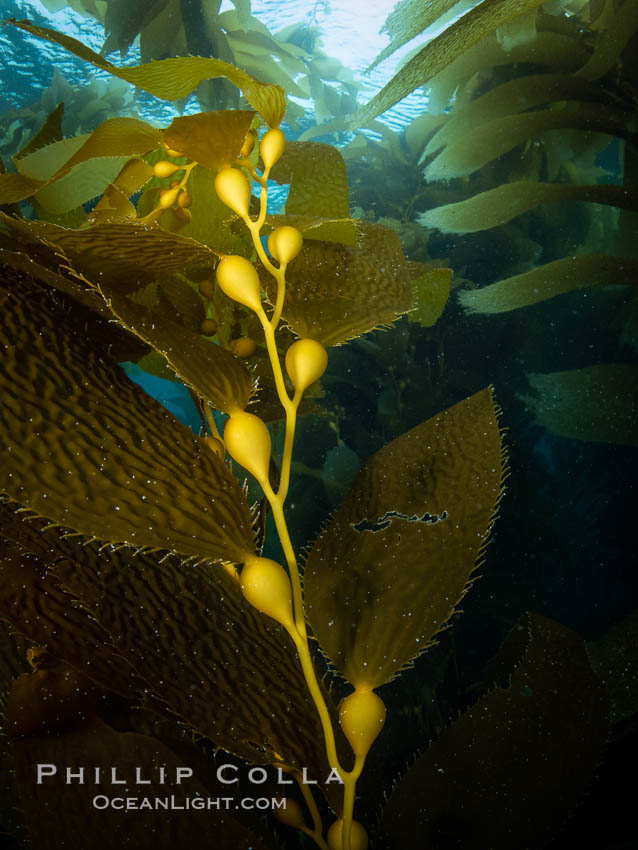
(153, 598)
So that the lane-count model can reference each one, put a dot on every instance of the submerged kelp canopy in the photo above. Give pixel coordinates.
(528, 153)
(128, 581)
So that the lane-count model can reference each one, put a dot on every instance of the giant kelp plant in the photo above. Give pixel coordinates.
(133, 579)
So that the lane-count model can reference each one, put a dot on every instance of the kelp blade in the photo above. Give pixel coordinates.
(213, 139)
(198, 639)
(38, 607)
(335, 292)
(124, 255)
(469, 785)
(212, 372)
(408, 19)
(173, 79)
(92, 452)
(318, 180)
(482, 144)
(57, 813)
(432, 290)
(548, 281)
(514, 96)
(386, 573)
(471, 28)
(500, 205)
(596, 403)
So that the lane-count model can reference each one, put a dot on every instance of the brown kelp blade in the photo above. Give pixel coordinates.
(490, 139)
(57, 812)
(549, 280)
(92, 452)
(614, 659)
(69, 172)
(317, 177)
(213, 139)
(46, 267)
(126, 255)
(505, 774)
(502, 204)
(209, 657)
(211, 371)
(197, 643)
(408, 19)
(173, 79)
(13, 662)
(483, 19)
(336, 292)
(387, 572)
(346, 231)
(37, 607)
(66, 173)
(431, 290)
(49, 132)
(596, 403)
(509, 98)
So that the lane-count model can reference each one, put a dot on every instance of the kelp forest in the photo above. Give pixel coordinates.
(319, 433)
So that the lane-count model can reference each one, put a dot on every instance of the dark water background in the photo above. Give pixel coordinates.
(564, 543)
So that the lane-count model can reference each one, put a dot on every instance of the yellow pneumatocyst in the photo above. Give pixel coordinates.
(285, 243)
(183, 216)
(207, 288)
(291, 815)
(233, 190)
(362, 715)
(247, 440)
(271, 147)
(239, 280)
(168, 198)
(358, 836)
(164, 168)
(306, 361)
(208, 327)
(243, 346)
(265, 584)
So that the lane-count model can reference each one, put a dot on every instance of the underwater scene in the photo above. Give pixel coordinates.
(319, 339)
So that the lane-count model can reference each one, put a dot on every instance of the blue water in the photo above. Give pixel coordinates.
(28, 62)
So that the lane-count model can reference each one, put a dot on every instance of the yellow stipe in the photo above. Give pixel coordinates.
(307, 363)
(231, 569)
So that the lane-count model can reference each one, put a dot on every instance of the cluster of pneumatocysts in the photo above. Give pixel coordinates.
(264, 583)
(242, 346)
(176, 196)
